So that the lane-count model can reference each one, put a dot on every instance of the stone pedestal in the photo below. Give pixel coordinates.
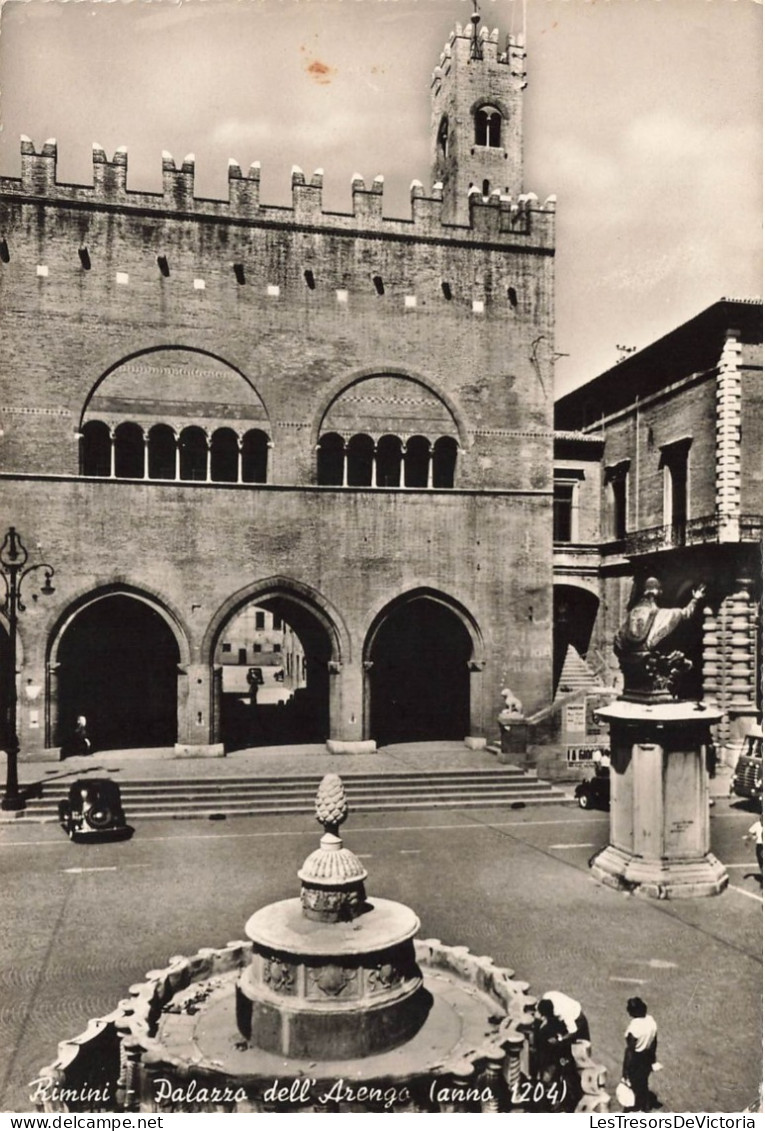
(514, 739)
(659, 837)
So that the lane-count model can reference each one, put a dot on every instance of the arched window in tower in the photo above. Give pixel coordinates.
(162, 448)
(96, 449)
(330, 459)
(254, 456)
(444, 461)
(361, 455)
(193, 447)
(416, 462)
(128, 451)
(224, 456)
(389, 464)
(488, 127)
(443, 137)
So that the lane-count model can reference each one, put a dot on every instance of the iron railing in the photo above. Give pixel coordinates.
(693, 532)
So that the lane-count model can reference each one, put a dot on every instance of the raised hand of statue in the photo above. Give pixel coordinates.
(699, 592)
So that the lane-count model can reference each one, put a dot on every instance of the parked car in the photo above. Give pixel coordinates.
(255, 677)
(93, 808)
(595, 792)
(747, 777)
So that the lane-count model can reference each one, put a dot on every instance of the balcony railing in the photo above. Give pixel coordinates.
(695, 532)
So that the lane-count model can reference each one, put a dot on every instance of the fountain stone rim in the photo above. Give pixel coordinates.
(282, 927)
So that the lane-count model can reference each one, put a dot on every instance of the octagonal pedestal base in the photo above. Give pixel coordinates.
(655, 879)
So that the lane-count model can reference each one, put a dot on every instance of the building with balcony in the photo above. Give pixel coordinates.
(658, 472)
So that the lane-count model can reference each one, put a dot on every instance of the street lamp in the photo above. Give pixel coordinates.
(14, 570)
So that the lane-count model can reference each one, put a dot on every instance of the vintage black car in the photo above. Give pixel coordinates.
(747, 776)
(93, 809)
(595, 792)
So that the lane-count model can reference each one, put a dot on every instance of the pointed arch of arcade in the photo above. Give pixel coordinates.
(343, 383)
(423, 660)
(324, 636)
(129, 715)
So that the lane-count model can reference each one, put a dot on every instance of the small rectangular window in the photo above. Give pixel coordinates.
(226, 647)
(619, 489)
(563, 505)
(260, 620)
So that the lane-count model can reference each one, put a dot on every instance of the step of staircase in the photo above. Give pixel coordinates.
(213, 797)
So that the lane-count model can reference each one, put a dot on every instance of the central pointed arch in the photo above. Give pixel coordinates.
(420, 655)
(275, 680)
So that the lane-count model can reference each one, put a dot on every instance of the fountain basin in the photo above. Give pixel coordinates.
(352, 986)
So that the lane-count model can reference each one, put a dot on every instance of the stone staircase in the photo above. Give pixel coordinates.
(576, 675)
(218, 797)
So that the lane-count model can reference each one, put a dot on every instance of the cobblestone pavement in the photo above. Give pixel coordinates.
(83, 922)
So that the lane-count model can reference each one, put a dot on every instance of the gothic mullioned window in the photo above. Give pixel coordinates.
(387, 430)
(387, 462)
(175, 415)
(131, 452)
(488, 127)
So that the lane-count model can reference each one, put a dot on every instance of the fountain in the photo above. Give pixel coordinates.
(332, 1005)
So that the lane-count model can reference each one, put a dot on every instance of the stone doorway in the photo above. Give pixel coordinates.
(418, 673)
(274, 656)
(117, 664)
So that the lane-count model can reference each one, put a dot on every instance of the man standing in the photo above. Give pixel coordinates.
(640, 1054)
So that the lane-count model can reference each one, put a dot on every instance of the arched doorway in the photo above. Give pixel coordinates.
(118, 665)
(575, 610)
(274, 655)
(418, 677)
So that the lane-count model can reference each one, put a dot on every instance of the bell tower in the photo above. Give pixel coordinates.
(476, 117)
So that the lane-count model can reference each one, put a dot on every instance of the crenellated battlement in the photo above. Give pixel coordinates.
(496, 217)
(459, 48)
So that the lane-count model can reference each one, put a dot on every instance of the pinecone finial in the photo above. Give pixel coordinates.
(331, 804)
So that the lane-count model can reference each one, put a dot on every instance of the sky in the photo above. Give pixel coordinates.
(643, 117)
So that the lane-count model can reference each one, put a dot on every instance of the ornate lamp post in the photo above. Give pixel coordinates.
(14, 570)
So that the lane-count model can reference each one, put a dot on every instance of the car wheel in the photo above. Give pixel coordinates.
(585, 801)
(99, 818)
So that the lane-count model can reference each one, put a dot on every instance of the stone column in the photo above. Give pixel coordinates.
(476, 739)
(52, 737)
(346, 715)
(659, 835)
(197, 729)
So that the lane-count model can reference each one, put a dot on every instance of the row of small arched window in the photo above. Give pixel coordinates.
(387, 462)
(132, 452)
